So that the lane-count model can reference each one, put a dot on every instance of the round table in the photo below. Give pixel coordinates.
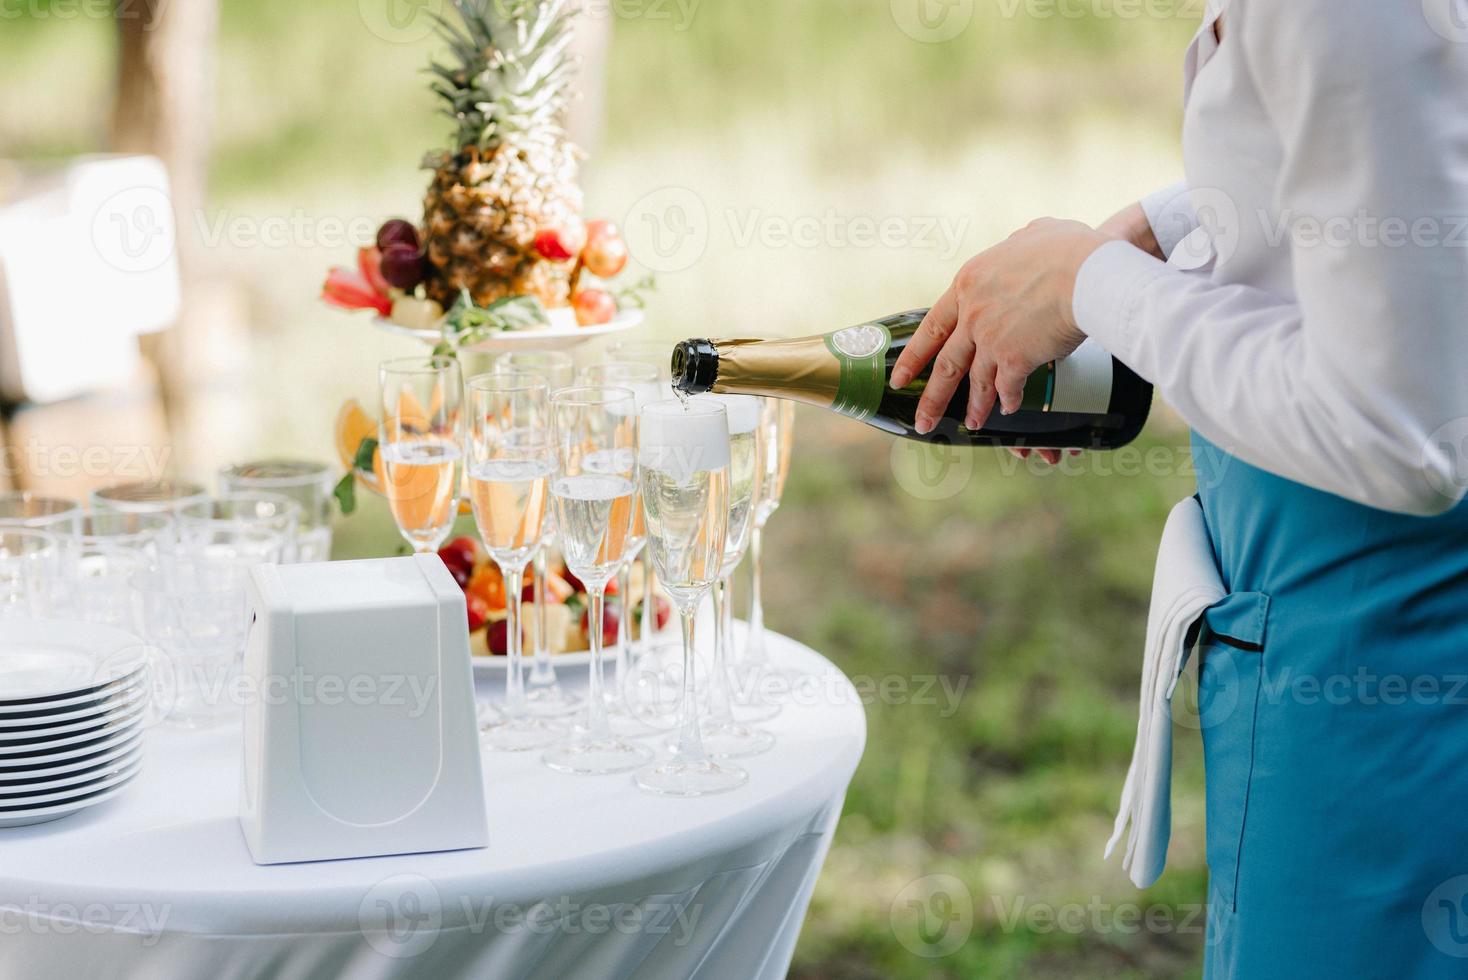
(583, 877)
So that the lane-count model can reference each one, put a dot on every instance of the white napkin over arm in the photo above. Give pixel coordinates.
(1185, 583)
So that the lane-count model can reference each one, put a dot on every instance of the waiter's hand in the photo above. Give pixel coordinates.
(1007, 312)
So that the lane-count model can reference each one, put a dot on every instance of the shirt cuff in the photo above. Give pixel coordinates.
(1170, 213)
(1107, 289)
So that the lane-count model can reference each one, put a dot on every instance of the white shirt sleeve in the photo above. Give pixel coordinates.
(1357, 385)
(1171, 215)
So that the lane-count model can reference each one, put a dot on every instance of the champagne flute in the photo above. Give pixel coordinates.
(683, 466)
(595, 437)
(642, 381)
(753, 670)
(544, 695)
(724, 737)
(510, 460)
(659, 356)
(420, 440)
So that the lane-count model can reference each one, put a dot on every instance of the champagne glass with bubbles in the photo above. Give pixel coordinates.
(544, 694)
(657, 355)
(683, 466)
(510, 460)
(755, 675)
(724, 737)
(642, 381)
(595, 437)
(421, 444)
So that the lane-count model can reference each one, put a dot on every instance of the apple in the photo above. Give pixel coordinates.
(497, 638)
(458, 557)
(478, 611)
(594, 306)
(611, 616)
(415, 313)
(397, 232)
(605, 253)
(560, 244)
(662, 611)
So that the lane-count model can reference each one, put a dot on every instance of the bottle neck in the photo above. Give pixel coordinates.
(803, 369)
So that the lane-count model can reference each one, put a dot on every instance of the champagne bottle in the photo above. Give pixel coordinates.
(1089, 400)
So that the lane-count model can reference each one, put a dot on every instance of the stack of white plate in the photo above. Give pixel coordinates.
(73, 705)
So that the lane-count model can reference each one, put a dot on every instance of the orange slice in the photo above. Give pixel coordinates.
(353, 424)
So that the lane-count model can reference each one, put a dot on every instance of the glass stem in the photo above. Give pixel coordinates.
(690, 744)
(514, 677)
(754, 643)
(649, 603)
(596, 706)
(624, 627)
(542, 674)
(720, 713)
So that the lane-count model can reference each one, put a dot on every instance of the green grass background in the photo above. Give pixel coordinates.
(1028, 587)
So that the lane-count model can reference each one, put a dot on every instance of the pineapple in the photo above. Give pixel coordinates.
(514, 170)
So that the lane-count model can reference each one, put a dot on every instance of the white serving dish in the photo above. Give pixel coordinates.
(563, 332)
(62, 795)
(40, 743)
(44, 720)
(47, 756)
(44, 771)
(27, 816)
(92, 697)
(494, 665)
(77, 777)
(45, 660)
(125, 713)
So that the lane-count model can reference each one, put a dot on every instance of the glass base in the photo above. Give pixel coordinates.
(552, 701)
(679, 778)
(758, 693)
(622, 723)
(629, 725)
(521, 734)
(734, 741)
(597, 757)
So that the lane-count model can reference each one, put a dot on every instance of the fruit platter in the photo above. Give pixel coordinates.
(502, 256)
(568, 624)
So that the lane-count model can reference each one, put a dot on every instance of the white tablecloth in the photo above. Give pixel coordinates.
(584, 876)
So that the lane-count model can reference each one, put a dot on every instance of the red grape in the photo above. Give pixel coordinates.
(397, 232)
(402, 266)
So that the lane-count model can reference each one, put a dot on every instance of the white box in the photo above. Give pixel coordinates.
(360, 733)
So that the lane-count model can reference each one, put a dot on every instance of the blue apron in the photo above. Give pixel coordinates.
(1333, 702)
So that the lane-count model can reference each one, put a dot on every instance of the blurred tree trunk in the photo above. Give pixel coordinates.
(163, 107)
(586, 116)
